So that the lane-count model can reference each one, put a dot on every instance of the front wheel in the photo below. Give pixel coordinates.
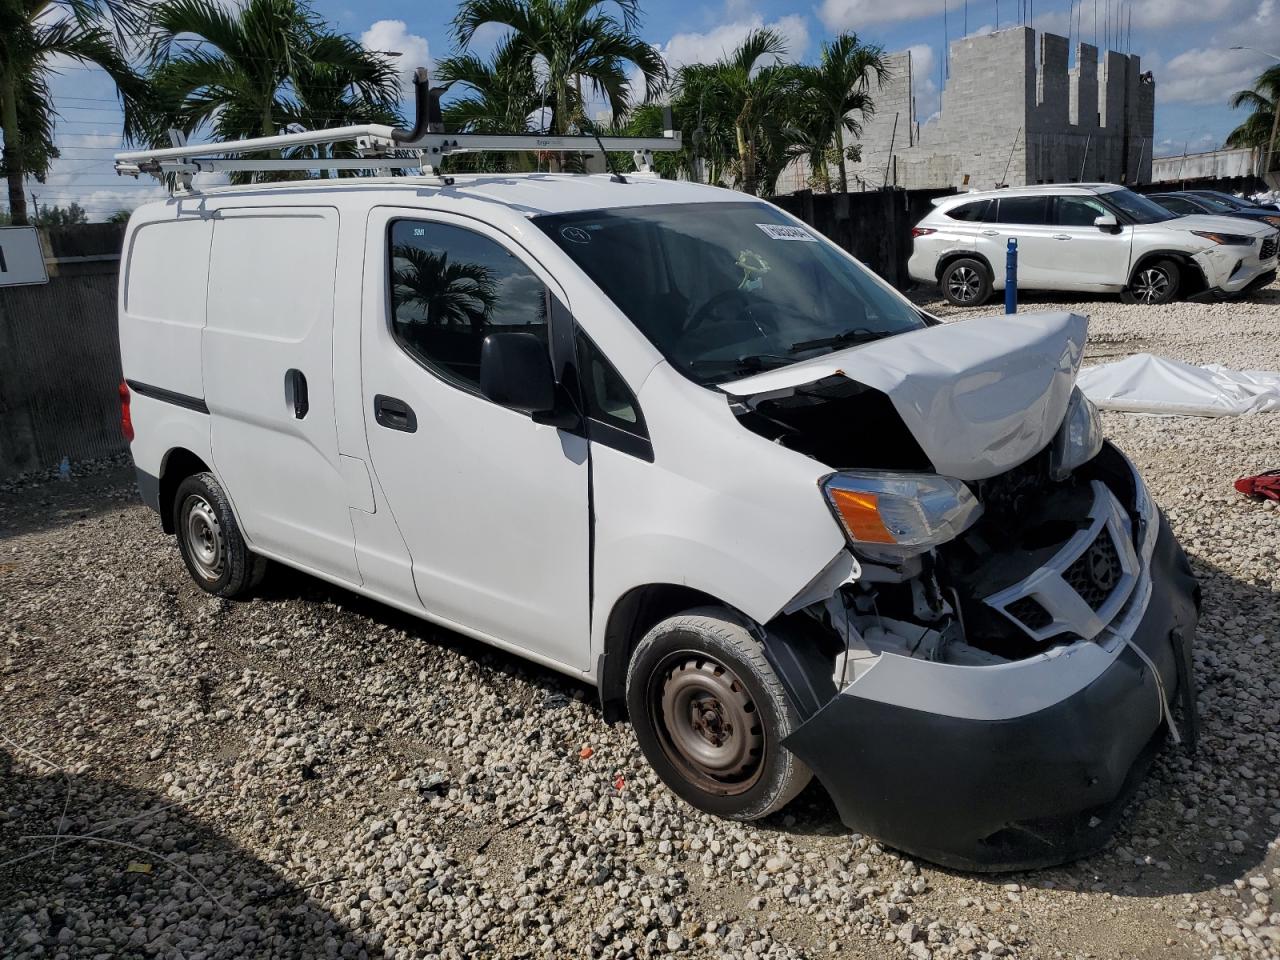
(1155, 283)
(710, 716)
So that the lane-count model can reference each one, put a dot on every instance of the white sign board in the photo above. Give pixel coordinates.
(21, 259)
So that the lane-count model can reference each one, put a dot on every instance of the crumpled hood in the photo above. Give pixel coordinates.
(980, 395)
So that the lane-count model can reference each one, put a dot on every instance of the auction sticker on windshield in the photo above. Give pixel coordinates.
(777, 231)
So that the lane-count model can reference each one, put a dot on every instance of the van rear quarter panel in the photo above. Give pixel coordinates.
(162, 303)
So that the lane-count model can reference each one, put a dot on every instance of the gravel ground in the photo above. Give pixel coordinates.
(309, 774)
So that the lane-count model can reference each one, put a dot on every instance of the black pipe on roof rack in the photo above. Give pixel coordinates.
(428, 117)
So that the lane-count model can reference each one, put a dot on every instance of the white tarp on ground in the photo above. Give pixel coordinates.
(1145, 383)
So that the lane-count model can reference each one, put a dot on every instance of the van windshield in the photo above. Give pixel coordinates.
(725, 290)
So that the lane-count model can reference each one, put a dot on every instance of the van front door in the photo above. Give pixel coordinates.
(492, 506)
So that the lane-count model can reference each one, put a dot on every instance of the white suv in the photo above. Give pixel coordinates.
(1097, 238)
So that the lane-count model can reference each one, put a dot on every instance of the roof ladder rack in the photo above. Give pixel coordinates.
(376, 147)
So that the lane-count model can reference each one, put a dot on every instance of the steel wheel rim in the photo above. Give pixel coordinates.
(707, 723)
(204, 538)
(963, 284)
(1151, 285)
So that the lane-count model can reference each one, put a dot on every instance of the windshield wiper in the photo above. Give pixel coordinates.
(751, 363)
(856, 335)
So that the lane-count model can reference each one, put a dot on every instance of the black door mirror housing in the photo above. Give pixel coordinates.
(515, 372)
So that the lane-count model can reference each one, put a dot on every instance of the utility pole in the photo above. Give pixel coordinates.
(1275, 118)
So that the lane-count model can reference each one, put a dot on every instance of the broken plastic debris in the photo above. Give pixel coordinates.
(137, 867)
(619, 783)
(585, 753)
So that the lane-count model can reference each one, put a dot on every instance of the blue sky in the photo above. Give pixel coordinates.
(1187, 43)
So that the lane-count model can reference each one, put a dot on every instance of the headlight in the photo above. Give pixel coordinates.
(900, 513)
(1079, 438)
(1226, 239)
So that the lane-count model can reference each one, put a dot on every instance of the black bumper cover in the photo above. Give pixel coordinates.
(1013, 794)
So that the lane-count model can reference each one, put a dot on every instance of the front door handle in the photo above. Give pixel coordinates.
(295, 393)
(394, 414)
(1061, 236)
(991, 233)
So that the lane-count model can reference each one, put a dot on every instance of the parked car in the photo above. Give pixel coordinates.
(1233, 200)
(667, 440)
(1187, 204)
(1098, 238)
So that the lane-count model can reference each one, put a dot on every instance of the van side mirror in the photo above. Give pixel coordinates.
(1106, 221)
(515, 372)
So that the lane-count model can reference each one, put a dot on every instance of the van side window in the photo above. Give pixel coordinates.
(613, 414)
(608, 397)
(1030, 211)
(451, 288)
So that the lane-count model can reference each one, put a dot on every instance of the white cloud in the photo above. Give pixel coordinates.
(839, 15)
(924, 80)
(1158, 14)
(707, 47)
(1208, 75)
(394, 36)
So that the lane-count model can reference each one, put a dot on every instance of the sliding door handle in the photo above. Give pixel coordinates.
(295, 393)
(394, 414)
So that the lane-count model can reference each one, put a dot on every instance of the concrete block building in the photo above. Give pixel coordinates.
(1015, 111)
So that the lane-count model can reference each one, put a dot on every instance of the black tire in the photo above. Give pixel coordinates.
(725, 758)
(209, 538)
(1154, 283)
(966, 282)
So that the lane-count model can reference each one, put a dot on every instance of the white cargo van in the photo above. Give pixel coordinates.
(667, 440)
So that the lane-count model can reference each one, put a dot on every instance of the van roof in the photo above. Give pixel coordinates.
(530, 194)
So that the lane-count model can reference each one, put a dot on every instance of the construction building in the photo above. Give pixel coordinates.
(1014, 111)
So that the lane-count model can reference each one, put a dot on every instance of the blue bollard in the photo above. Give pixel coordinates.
(1011, 277)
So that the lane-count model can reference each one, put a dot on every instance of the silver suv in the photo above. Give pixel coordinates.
(1089, 237)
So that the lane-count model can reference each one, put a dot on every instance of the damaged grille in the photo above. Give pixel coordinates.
(1029, 613)
(1269, 246)
(1096, 573)
(1084, 585)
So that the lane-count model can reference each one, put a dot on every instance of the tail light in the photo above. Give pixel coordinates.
(126, 419)
(922, 231)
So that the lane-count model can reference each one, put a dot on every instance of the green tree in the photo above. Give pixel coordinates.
(32, 34)
(573, 42)
(448, 293)
(1259, 128)
(743, 106)
(120, 216)
(836, 98)
(254, 70)
(57, 216)
(498, 96)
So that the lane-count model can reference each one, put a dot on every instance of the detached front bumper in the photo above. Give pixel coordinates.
(1024, 790)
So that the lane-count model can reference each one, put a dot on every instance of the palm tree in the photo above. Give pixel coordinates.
(837, 95)
(1259, 128)
(254, 70)
(448, 293)
(499, 97)
(32, 33)
(745, 108)
(574, 42)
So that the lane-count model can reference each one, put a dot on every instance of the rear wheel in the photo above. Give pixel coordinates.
(209, 538)
(966, 283)
(1155, 283)
(710, 715)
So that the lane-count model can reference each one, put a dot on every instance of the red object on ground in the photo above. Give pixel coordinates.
(585, 752)
(1265, 486)
(619, 783)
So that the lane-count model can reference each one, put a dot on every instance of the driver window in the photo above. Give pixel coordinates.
(1079, 211)
(451, 288)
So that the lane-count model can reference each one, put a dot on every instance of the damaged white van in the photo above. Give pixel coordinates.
(665, 439)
